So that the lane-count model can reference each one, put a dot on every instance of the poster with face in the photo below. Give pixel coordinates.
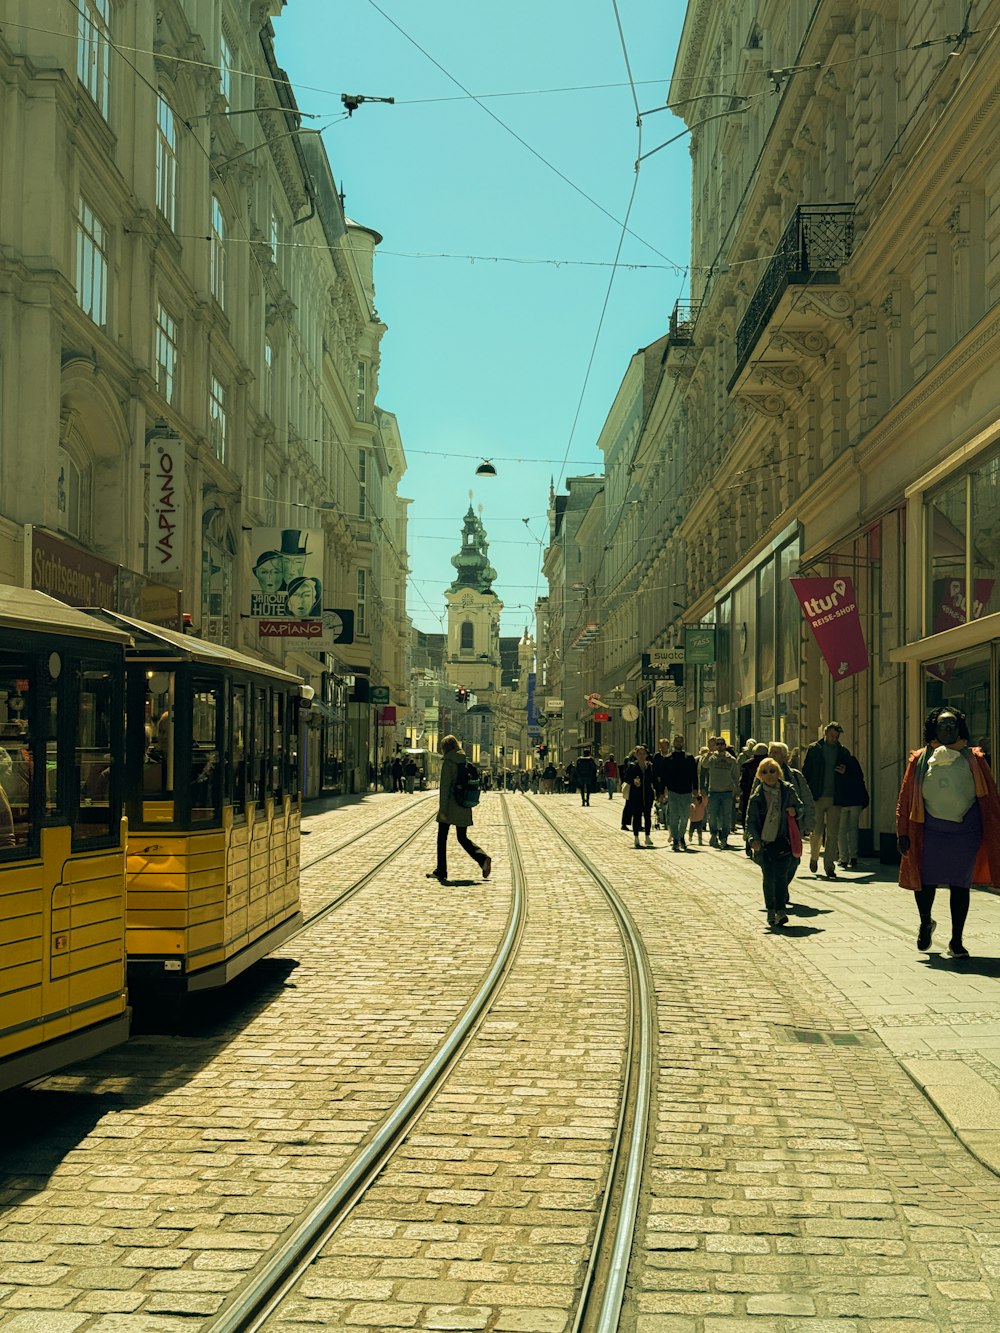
(287, 569)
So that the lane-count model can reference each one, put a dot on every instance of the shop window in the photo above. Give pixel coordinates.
(986, 539)
(205, 766)
(18, 748)
(278, 746)
(789, 636)
(946, 519)
(765, 632)
(963, 683)
(94, 722)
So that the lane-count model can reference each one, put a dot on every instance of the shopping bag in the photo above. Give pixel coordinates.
(794, 836)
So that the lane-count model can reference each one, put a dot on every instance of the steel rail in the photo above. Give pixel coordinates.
(616, 1222)
(261, 1295)
(342, 846)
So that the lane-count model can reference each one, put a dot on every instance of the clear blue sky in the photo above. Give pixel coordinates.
(486, 358)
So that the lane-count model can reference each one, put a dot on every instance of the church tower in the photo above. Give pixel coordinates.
(473, 655)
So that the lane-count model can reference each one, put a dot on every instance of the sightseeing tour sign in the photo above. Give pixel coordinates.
(831, 608)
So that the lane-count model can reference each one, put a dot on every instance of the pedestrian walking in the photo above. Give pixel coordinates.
(638, 779)
(676, 773)
(548, 779)
(854, 797)
(396, 770)
(626, 814)
(947, 824)
(697, 811)
(586, 776)
(611, 775)
(778, 751)
(824, 766)
(748, 776)
(409, 774)
(719, 779)
(772, 832)
(451, 812)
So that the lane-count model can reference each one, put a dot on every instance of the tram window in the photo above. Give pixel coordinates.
(293, 747)
(93, 754)
(52, 759)
(238, 750)
(158, 768)
(277, 744)
(17, 766)
(258, 766)
(206, 770)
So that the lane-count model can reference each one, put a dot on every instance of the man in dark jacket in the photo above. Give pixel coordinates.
(824, 767)
(675, 774)
(586, 776)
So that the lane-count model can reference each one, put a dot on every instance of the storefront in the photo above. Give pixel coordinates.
(955, 525)
(754, 686)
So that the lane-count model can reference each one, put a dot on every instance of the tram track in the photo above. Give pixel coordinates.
(257, 1300)
(598, 1306)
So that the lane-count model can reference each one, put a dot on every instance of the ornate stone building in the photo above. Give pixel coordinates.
(175, 265)
(829, 402)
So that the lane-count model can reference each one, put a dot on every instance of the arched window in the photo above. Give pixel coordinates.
(73, 496)
(468, 636)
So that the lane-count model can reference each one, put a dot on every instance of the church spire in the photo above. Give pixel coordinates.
(471, 562)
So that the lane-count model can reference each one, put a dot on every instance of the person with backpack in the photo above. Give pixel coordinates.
(457, 794)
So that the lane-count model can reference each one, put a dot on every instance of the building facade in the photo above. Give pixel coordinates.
(830, 404)
(177, 274)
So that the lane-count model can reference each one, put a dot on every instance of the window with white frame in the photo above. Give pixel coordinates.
(361, 398)
(72, 495)
(91, 264)
(217, 419)
(93, 50)
(165, 354)
(275, 236)
(218, 255)
(268, 387)
(361, 619)
(362, 483)
(225, 67)
(166, 161)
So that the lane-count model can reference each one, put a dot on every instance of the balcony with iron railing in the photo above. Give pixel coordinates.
(814, 247)
(682, 322)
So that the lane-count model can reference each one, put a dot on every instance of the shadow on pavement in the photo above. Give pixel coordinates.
(977, 967)
(800, 932)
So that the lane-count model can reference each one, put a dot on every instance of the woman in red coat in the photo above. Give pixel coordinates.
(947, 823)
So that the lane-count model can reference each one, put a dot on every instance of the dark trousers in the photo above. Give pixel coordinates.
(462, 834)
(641, 817)
(959, 907)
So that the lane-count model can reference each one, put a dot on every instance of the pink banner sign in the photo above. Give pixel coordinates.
(830, 606)
(949, 602)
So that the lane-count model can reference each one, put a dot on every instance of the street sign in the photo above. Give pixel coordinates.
(379, 695)
(670, 695)
(554, 705)
(602, 717)
(662, 662)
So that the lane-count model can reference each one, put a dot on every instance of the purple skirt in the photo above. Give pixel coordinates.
(950, 849)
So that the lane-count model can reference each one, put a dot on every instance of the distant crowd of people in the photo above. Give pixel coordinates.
(947, 812)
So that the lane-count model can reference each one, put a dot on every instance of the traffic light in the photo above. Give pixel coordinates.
(542, 751)
(461, 694)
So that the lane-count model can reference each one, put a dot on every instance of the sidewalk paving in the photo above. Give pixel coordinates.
(940, 1017)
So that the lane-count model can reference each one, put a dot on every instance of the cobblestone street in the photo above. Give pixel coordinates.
(826, 1116)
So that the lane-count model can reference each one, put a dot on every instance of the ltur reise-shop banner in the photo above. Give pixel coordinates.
(831, 608)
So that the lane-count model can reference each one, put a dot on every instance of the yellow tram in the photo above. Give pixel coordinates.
(62, 836)
(213, 807)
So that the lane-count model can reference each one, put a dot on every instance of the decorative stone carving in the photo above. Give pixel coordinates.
(831, 303)
(786, 375)
(810, 342)
(766, 404)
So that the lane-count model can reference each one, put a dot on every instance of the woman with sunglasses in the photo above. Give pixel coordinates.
(773, 819)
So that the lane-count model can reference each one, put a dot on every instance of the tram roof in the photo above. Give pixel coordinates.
(27, 609)
(158, 643)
